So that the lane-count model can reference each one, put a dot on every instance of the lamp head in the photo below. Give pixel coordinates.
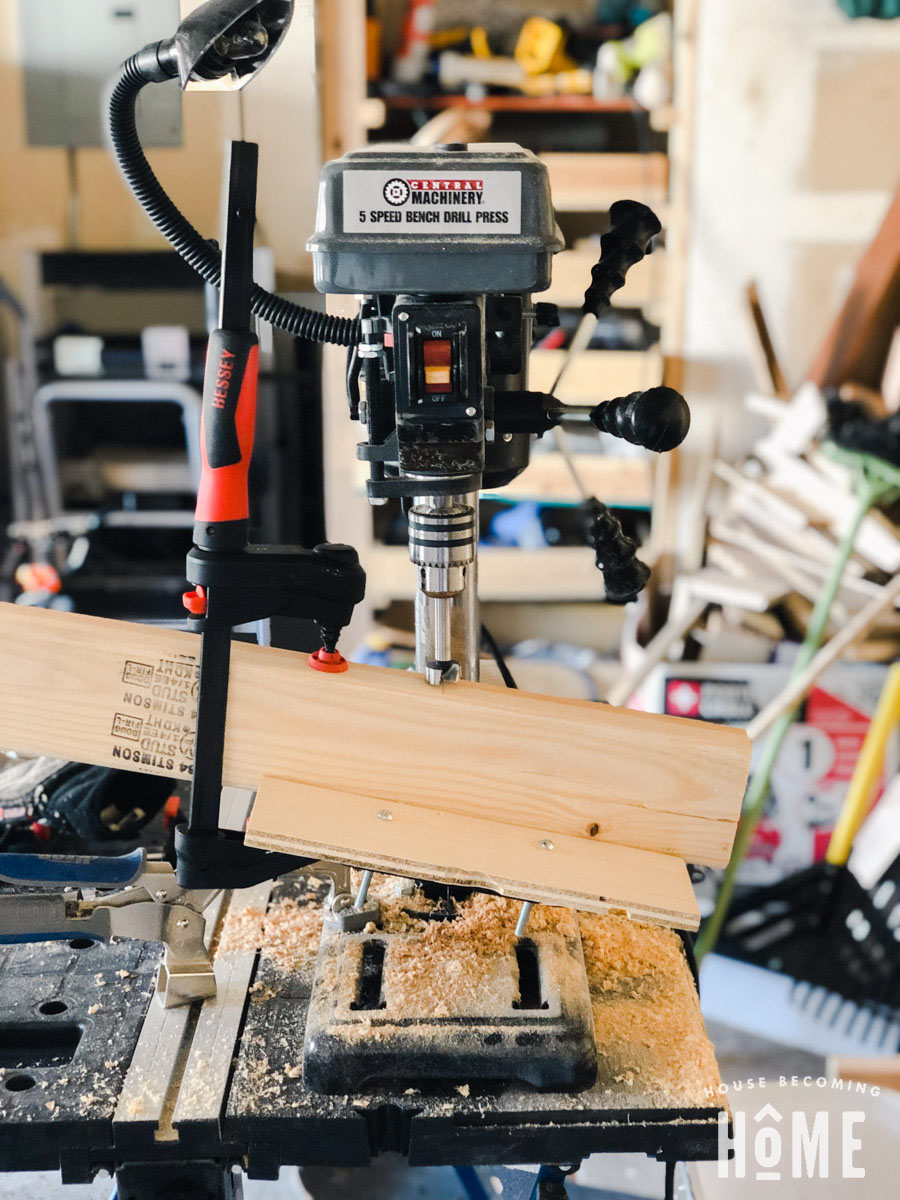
(229, 40)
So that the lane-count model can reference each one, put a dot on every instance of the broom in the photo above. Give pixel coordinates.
(820, 926)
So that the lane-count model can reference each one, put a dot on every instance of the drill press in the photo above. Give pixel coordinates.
(445, 246)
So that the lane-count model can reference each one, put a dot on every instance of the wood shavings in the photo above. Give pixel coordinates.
(261, 1083)
(652, 1045)
(262, 992)
(649, 1030)
(242, 931)
(489, 921)
(288, 934)
(443, 968)
(138, 1106)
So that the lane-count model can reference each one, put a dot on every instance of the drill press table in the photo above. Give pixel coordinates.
(95, 1075)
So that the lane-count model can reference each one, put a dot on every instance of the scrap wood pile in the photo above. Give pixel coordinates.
(804, 516)
(802, 545)
(778, 521)
(805, 532)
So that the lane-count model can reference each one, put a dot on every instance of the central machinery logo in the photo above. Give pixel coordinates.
(397, 191)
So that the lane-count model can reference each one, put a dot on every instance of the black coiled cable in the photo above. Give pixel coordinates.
(202, 255)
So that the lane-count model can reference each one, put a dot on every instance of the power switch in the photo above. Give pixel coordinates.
(437, 358)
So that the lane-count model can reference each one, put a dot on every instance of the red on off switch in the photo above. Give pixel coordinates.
(437, 357)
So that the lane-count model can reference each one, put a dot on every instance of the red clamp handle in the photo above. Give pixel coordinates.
(221, 519)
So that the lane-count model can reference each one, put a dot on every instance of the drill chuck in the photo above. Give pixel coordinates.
(442, 545)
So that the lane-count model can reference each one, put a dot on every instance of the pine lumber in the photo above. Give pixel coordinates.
(408, 840)
(122, 695)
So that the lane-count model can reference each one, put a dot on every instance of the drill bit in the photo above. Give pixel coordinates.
(524, 914)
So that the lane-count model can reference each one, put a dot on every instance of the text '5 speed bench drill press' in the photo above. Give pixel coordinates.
(444, 246)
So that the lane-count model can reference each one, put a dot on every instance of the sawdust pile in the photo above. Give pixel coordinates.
(651, 1040)
(446, 967)
(288, 934)
(489, 920)
(647, 1021)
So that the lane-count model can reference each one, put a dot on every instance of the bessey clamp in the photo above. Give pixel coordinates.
(235, 583)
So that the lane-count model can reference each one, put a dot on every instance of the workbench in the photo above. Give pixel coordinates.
(95, 1074)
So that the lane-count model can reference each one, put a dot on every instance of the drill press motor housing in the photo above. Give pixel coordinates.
(445, 245)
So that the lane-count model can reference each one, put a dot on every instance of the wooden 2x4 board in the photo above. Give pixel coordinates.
(119, 694)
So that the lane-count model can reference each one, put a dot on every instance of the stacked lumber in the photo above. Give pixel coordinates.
(776, 522)
(773, 527)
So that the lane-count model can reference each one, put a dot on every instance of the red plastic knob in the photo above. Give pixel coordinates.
(330, 663)
(195, 601)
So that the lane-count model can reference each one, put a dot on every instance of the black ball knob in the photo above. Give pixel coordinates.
(657, 420)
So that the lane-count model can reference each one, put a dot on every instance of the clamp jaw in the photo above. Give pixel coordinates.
(343, 910)
(129, 896)
(125, 896)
